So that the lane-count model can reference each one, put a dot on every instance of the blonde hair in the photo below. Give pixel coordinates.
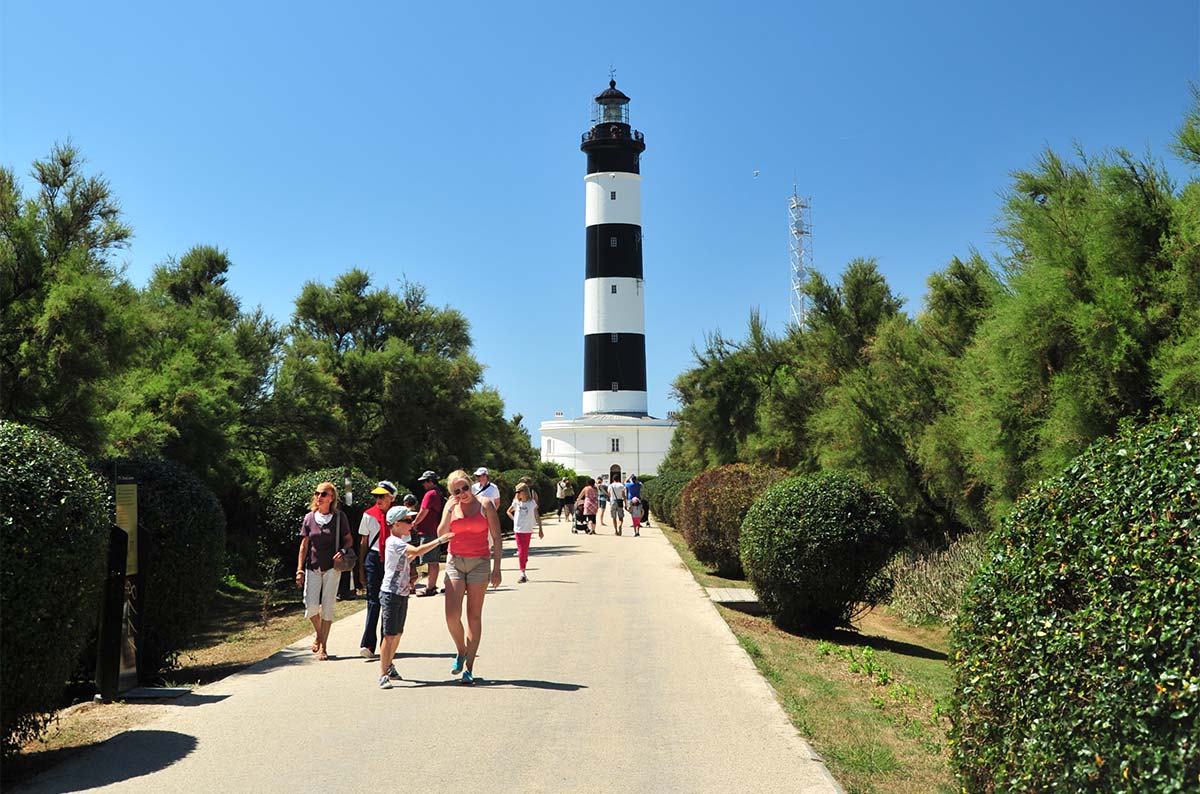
(455, 476)
(521, 487)
(333, 499)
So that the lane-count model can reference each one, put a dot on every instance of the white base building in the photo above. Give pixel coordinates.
(607, 444)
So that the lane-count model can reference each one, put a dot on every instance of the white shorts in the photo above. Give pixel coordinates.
(320, 592)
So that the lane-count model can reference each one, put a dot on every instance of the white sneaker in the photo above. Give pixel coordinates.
(385, 682)
(365, 653)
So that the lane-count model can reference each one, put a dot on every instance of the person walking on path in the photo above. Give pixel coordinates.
(484, 488)
(324, 532)
(474, 523)
(616, 502)
(635, 515)
(602, 495)
(523, 511)
(590, 500)
(370, 560)
(633, 488)
(425, 528)
(566, 502)
(399, 552)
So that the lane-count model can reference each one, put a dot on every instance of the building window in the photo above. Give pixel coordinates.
(614, 338)
(549, 446)
(615, 386)
(615, 443)
(614, 289)
(612, 196)
(612, 242)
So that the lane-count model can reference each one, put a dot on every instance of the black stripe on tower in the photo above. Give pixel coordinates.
(613, 147)
(606, 362)
(614, 250)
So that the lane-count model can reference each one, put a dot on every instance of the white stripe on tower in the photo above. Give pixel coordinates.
(614, 325)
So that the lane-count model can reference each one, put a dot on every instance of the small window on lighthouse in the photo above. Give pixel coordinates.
(612, 242)
(614, 289)
(614, 339)
(615, 386)
(612, 196)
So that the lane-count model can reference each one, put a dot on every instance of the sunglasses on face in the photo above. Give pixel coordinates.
(464, 489)
(320, 493)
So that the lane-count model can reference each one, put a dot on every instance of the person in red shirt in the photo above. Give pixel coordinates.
(425, 529)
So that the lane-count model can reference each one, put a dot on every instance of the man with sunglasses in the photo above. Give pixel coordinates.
(372, 530)
(484, 488)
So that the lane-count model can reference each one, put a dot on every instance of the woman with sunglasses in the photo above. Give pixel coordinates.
(475, 525)
(324, 532)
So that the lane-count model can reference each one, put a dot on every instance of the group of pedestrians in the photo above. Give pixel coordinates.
(597, 498)
(394, 540)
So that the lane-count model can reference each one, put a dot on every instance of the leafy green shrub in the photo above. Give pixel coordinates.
(54, 529)
(663, 491)
(1078, 645)
(814, 548)
(182, 528)
(712, 507)
(928, 588)
(289, 501)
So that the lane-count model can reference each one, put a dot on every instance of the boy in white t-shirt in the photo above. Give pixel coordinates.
(396, 586)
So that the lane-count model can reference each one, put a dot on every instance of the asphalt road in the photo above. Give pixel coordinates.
(609, 671)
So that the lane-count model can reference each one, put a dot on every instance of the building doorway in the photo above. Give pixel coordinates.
(614, 473)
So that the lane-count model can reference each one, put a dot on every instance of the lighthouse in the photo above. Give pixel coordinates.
(614, 317)
(616, 435)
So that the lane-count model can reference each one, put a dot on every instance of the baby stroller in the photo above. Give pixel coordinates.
(581, 522)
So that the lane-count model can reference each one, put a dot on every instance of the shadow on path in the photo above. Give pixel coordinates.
(496, 683)
(126, 756)
(844, 637)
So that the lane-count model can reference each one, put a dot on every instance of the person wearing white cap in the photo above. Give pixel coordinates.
(372, 533)
(484, 488)
(395, 587)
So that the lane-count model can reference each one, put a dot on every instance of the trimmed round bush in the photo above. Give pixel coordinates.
(711, 510)
(814, 549)
(1077, 663)
(289, 501)
(182, 526)
(55, 529)
(662, 493)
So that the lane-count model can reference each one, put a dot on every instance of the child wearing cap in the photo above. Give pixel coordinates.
(635, 515)
(396, 586)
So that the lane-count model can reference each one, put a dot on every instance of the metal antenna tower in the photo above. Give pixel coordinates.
(800, 243)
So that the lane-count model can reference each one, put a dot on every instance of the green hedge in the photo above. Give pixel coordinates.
(54, 529)
(711, 510)
(289, 501)
(1078, 646)
(663, 491)
(814, 548)
(182, 526)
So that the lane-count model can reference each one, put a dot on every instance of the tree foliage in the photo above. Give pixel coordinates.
(1011, 368)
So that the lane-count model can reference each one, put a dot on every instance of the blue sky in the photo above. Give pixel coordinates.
(441, 143)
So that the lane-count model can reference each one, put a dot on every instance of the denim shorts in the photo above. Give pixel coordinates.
(395, 613)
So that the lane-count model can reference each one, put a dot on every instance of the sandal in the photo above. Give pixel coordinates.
(323, 656)
(429, 591)
(316, 647)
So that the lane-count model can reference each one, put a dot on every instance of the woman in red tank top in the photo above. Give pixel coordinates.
(474, 550)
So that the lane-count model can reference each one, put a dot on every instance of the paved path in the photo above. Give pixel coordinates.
(609, 671)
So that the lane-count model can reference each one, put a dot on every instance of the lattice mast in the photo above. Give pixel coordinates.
(800, 243)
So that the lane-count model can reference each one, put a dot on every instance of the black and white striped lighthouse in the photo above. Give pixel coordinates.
(614, 318)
